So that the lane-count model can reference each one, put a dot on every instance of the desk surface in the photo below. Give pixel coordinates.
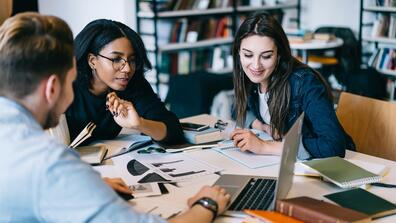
(302, 186)
(317, 44)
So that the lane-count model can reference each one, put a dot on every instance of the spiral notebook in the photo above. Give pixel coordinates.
(342, 172)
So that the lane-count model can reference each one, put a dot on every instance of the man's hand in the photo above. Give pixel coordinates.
(216, 193)
(117, 184)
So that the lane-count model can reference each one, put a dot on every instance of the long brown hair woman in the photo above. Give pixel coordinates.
(273, 85)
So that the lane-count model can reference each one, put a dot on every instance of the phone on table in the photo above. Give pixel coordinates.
(193, 127)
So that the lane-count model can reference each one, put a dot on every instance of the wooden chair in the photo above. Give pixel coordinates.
(5, 10)
(371, 123)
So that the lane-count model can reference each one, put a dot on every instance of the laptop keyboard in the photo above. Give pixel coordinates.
(256, 195)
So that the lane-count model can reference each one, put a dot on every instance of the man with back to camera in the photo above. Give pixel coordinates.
(40, 179)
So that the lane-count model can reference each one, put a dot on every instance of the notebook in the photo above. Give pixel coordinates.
(311, 210)
(342, 172)
(93, 155)
(204, 136)
(363, 201)
(376, 168)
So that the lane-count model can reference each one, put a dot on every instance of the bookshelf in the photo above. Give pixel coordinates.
(377, 35)
(187, 36)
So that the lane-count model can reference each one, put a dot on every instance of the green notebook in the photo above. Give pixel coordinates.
(363, 201)
(342, 172)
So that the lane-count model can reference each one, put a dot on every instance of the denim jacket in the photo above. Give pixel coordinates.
(322, 134)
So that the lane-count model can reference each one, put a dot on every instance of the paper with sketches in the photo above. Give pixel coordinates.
(145, 190)
(148, 168)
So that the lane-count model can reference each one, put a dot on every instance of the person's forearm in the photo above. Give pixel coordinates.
(256, 124)
(155, 129)
(196, 214)
(271, 148)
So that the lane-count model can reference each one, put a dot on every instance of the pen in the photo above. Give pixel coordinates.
(189, 148)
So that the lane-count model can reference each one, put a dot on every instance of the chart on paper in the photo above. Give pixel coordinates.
(161, 168)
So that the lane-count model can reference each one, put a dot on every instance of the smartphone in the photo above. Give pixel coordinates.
(193, 126)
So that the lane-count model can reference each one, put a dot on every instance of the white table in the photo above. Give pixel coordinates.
(302, 186)
(305, 46)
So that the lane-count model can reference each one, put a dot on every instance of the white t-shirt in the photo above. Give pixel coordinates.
(264, 112)
(265, 115)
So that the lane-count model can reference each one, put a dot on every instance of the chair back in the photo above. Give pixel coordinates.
(348, 55)
(370, 122)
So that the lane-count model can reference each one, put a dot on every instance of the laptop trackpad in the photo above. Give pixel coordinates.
(232, 190)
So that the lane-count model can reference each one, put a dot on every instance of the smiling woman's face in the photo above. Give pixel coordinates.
(258, 57)
(106, 76)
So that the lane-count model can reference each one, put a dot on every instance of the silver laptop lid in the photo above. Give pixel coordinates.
(290, 147)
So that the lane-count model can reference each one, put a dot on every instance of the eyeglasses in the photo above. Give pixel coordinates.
(220, 124)
(119, 62)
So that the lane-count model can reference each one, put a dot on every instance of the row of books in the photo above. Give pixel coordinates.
(383, 59)
(173, 5)
(386, 3)
(384, 26)
(214, 60)
(186, 30)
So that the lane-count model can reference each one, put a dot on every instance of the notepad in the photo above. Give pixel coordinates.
(342, 172)
(363, 201)
(205, 136)
(376, 168)
(92, 154)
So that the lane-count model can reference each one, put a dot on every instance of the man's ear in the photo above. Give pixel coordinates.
(91, 61)
(53, 89)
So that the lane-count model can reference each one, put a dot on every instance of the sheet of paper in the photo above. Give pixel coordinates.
(106, 171)
(249, 159)
(145, 168)
(145, 190)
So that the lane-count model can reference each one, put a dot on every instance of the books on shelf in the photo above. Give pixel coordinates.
(311, 210)
(342, 172)
(363, 201)
(384, 26)
(177, 5)
(383, 59)
(385, 3)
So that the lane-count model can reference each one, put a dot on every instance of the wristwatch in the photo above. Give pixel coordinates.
(209, 204)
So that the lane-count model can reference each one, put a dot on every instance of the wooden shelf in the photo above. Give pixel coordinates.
(186, 13)
(267, 7)
(380, 40)
(200, 44)
(379, 9)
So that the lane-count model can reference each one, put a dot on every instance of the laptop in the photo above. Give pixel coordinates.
(260, 192)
